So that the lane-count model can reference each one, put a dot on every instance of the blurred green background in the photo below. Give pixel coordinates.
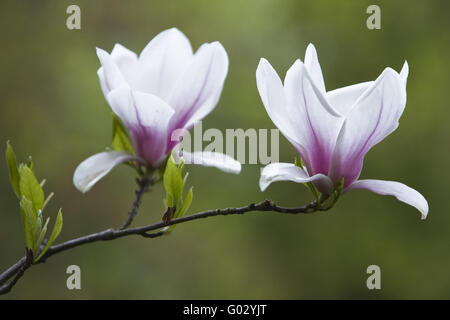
(51, 107)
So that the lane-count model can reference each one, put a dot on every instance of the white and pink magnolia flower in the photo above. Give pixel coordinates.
(332, 131)
(165, 90)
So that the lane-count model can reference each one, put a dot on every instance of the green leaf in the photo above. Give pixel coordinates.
(30, 187)
(120, 138)
(309, 185)
(181, 167)
(29, 221)
(187, 203)
(185, 178)
(173, 183)
(47, 200)
(14, 176)
(299, 163)
(38, 225)
(41, 237)
(55, 233)
(338, 190)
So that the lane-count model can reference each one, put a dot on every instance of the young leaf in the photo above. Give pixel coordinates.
(38, 225)
(299, 163)
(14, 176)
(181, 167)
(185, 178)
(120, 138)
(184, 208)
(41, 237)
(29, 221)
(309, 185)
(173, 183)
(187, 203)
(55, 233)
(30, 188)
(47, 200)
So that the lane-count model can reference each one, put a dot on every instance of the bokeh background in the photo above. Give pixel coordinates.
(51, 107)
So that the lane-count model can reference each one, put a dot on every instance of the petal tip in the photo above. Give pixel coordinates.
(311, 49)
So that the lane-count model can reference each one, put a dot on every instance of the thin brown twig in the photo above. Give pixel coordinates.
(144, 183)
(145, 231)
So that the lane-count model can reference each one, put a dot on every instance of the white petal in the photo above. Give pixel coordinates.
(103, 85)
(152, 111)
(138, 108)
(147, 117)
(343, 99)
(97, 166)
(162, 62)
(290, 172)
(286, 116)
(112, 75)
(197, 91)
(404, 72)
(316, 127)
(373, 117)
(273, 97)
(399, 190)
(125, 60)
(212, 159)
(313, 66)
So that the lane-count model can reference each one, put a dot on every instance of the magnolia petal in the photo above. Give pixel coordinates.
(317, 128)
(103, 85)
(343, 99)
(197, 91)
(112, 75)
(273, 97)
(392, 188)
(283, 114)
(147, 117)
(313, 66)
(162, 62)
(404, 72)
(212, 159)
(289, 172)
(125, 60)
(97, 166)
(373, 117)
(138, 108)
(152, 137)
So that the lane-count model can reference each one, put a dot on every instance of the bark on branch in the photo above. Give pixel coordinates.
(150, 231)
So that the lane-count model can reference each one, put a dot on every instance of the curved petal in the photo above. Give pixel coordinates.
(97, 166)
(162, 62)
(373, 117)
(103, 85)
(404, 72)
(147, 117)
(317, 125)
(392, 188)
(314, 69)
(197, 91)
(109, 73)
(126, 60)
(274, 100)
(212, 159)
(343, 99)
(290, 172)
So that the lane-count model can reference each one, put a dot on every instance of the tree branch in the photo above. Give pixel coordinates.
(111, 234)
(144, 183)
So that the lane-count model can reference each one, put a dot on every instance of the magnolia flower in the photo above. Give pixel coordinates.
(164, 90)
(332, 131)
